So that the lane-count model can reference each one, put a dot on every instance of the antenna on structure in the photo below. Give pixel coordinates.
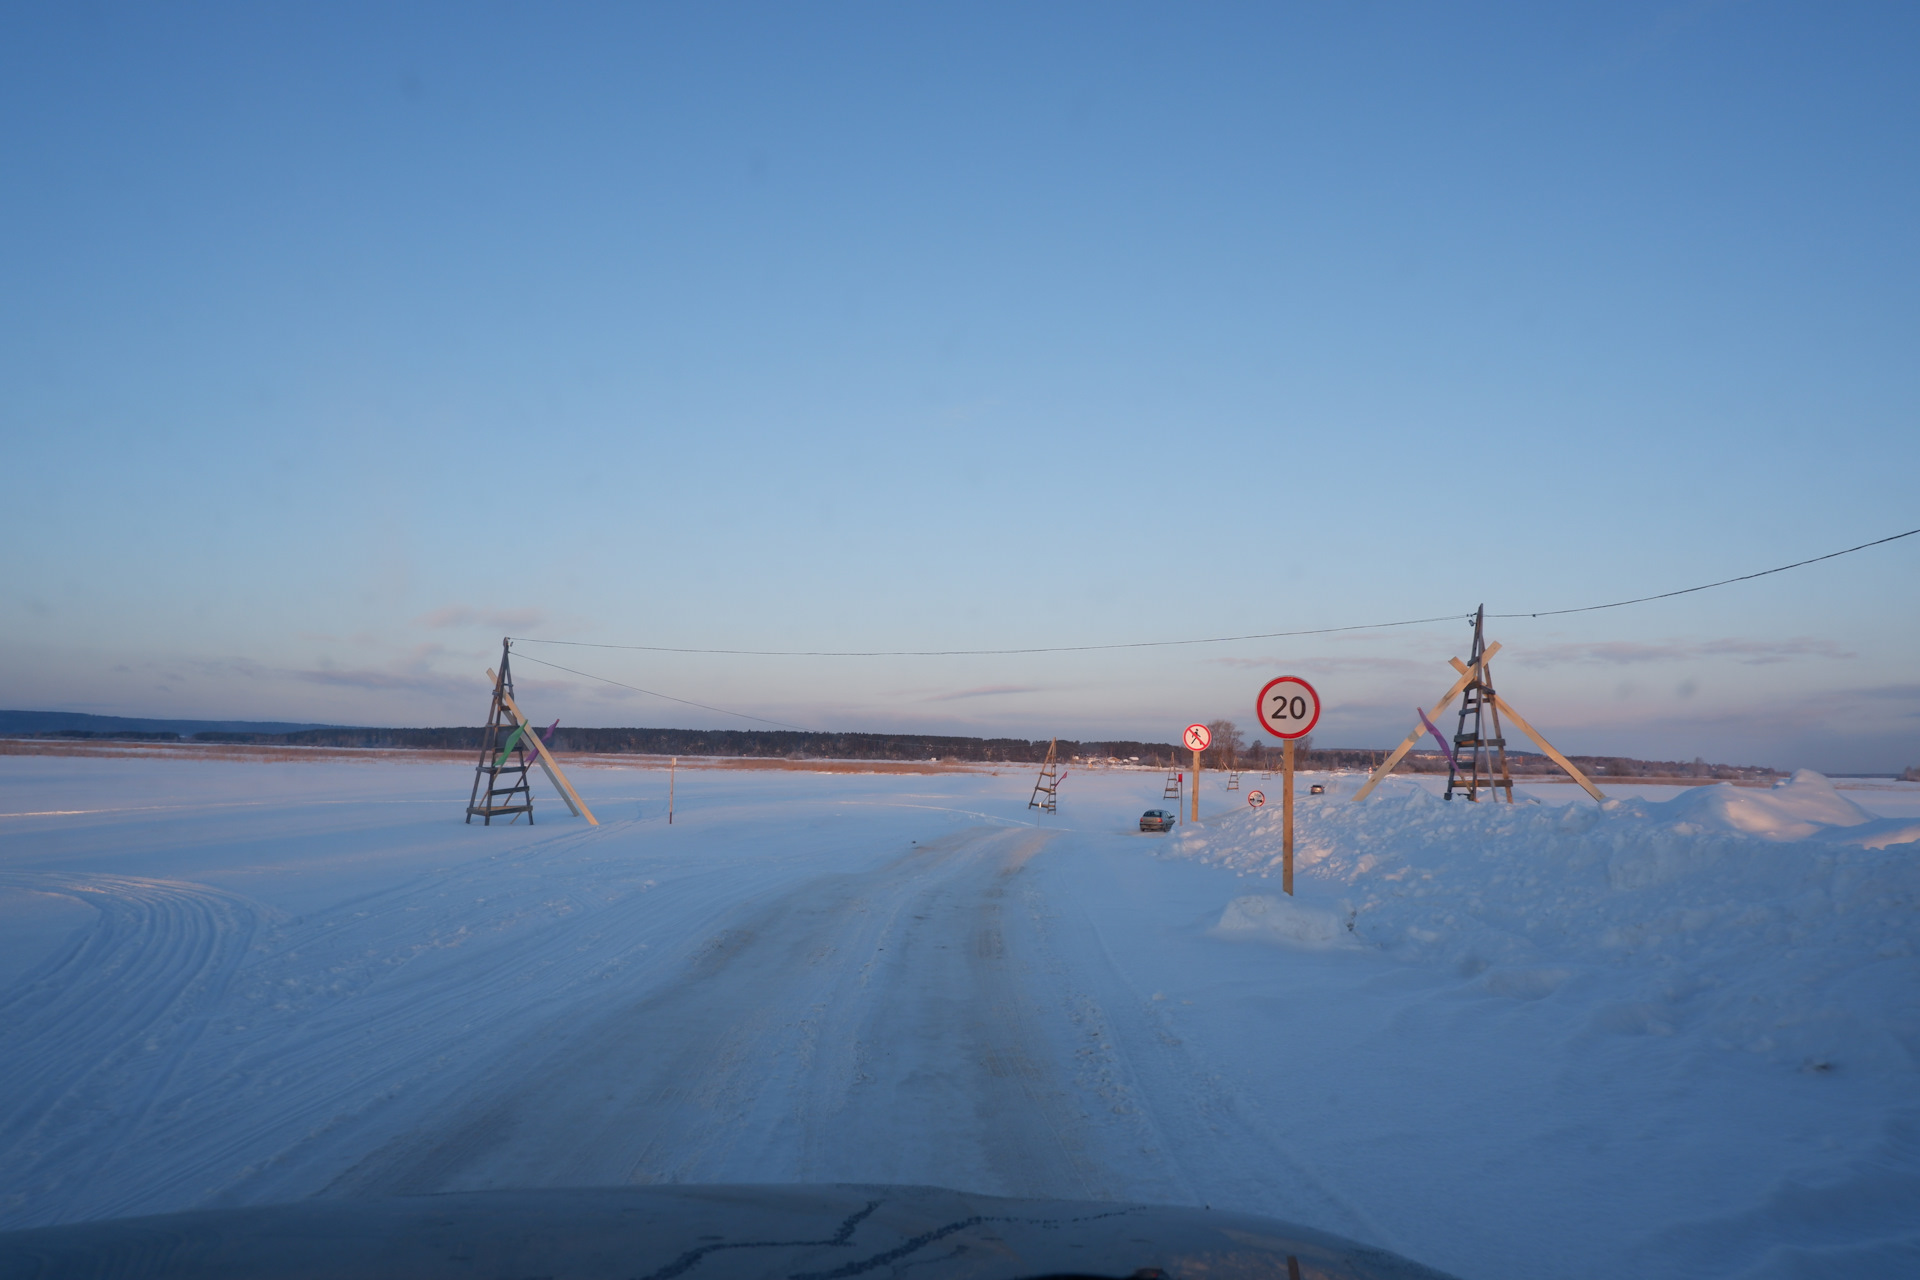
(508, 748)
(1046, 790)
(1479, 763)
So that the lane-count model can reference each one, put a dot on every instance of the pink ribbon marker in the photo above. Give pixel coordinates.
(1446, 748)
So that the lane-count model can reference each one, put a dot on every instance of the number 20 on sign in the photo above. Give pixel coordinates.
(1288, 708)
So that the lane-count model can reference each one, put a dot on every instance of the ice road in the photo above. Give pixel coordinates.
(1672, 1036)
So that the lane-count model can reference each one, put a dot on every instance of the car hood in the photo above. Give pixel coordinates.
(832, 1232)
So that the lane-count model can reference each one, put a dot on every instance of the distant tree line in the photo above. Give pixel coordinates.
(1526, 763)
(1229, 750)
(760, 743)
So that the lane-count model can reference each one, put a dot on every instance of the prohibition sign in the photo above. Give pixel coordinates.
(1198, 737)
(1256, 798)
(1288, 707)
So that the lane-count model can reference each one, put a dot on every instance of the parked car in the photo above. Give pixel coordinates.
(1156, 820)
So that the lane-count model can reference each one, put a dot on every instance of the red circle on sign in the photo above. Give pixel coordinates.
(1256, 798)
(1197, 737)
(1296, 706)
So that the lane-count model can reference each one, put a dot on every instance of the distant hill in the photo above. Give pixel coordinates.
(17, 723)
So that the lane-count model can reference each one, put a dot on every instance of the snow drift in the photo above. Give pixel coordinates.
(1781, 922)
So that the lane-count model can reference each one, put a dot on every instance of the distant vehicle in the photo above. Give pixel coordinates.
(1316, 790)
(1156, 820)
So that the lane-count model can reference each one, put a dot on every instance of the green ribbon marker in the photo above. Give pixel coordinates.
(508, 749)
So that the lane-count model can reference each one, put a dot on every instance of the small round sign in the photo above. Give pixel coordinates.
(1256, 798)
(1288, 707)
(1197, 737)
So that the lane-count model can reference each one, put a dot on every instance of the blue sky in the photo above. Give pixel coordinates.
(339, 341)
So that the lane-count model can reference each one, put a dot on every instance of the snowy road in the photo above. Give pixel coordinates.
(806, 1023)
(275, 995)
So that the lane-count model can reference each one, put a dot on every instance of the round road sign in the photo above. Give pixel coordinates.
(1197, 737)
(1288, 707)
(1256, 798)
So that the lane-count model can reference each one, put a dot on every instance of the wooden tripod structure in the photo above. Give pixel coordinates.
(1046, 790)
(509, 747)
(1478, 762)
(1475, 676)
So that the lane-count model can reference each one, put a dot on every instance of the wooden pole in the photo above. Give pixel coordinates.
(1386, 766)
(672, 769)
(1286, 817)
(1196, 786)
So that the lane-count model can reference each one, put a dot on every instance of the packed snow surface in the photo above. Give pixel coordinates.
(1671, 1035)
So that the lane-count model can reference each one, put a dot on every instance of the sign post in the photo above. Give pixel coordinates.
(1256, 798)
(1198, 738)
(1288, 708)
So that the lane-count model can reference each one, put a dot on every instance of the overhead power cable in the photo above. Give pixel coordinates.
(527, 657)
(1163, 644)
(976, 653)
(1708, 586)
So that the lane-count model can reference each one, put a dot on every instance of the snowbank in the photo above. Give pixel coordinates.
(1265, 918)
(1781, 923)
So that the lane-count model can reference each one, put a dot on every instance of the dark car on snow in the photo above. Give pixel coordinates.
(1156, 820)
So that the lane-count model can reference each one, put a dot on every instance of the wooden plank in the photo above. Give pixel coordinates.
(1459, 687)
(552, 766)
(1286, 822)
(1546, 747)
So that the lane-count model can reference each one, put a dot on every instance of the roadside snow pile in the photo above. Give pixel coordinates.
(1804, 807)
(1265, 918)
(1781, 922)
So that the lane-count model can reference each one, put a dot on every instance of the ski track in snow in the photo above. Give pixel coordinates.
(92, 1040)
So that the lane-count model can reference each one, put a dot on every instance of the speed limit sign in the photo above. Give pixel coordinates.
(1198, 737)
(1256, 798)
(1288, 707)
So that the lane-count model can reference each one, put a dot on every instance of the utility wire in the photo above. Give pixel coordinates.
(1687, 591)
(1161, 644)
(976, 653)
(527, 657)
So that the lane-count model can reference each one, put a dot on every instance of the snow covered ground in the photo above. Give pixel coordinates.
(1675, 1036)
